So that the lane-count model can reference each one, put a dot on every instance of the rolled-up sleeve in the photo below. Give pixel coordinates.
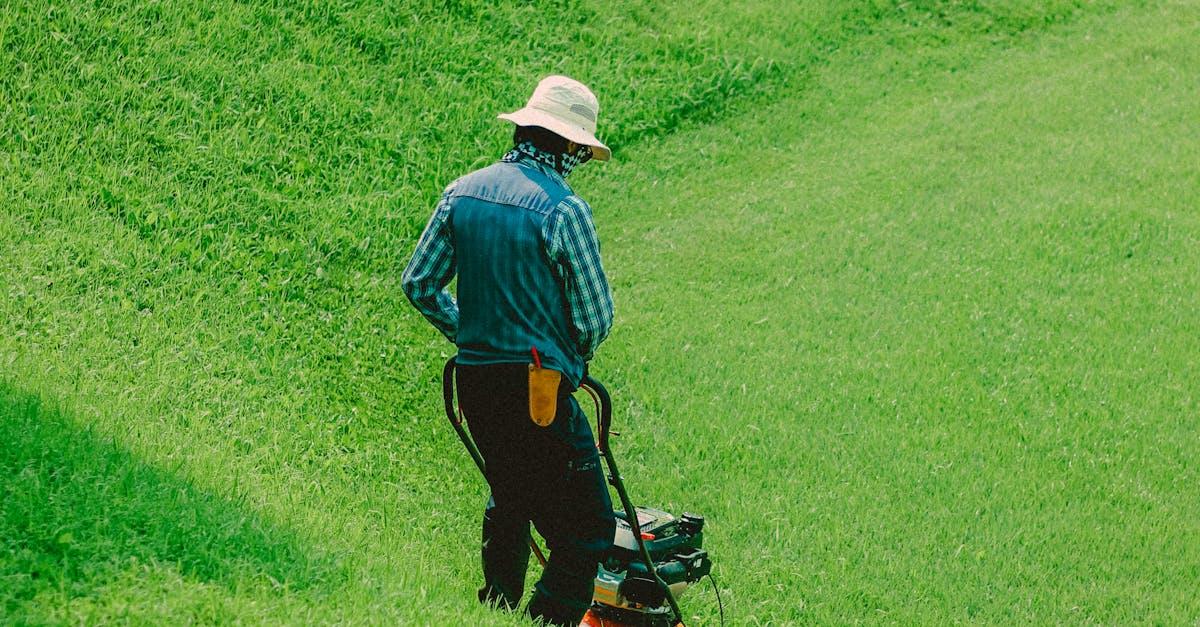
(430, 270)
(576, 249)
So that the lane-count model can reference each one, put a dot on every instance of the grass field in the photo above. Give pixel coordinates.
(907, 297)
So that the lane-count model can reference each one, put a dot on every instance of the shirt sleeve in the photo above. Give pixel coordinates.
(576, 250)
(430, 270)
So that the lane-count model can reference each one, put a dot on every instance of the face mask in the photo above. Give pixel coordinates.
(569, 161)
(563, 163)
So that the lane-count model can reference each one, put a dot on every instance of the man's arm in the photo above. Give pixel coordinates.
(430, 270)
(576, 249)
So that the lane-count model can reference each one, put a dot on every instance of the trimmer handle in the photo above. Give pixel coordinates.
(448, 391)
(604, 424)
(455, 417)
(604, 403)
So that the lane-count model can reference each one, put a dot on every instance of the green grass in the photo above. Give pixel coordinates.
(906, 303)
(954, 325)
(78, 506)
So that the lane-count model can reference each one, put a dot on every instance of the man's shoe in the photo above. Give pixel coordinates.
(493, 597)
(550, 612)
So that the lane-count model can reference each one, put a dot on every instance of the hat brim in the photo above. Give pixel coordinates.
(534, 117)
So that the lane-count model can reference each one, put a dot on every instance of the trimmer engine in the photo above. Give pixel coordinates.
(626, 594)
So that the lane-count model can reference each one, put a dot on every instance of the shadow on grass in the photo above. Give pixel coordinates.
(77, 510)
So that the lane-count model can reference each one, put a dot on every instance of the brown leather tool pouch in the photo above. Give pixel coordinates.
(543, 395)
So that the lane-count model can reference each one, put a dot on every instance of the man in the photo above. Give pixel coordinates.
(533, 305)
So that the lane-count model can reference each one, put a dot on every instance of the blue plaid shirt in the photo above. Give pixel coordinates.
(569, 238)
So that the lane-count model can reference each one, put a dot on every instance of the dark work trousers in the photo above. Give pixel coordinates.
(550, 476)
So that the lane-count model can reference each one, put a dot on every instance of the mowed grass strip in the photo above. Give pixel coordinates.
(922, 343)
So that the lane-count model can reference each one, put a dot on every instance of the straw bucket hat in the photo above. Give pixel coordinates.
(565, 106)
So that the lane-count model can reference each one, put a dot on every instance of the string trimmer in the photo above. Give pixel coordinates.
(655, 555)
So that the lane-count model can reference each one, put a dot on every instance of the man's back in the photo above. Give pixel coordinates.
(510, 296)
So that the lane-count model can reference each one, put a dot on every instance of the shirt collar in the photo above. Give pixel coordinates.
(526, 153)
